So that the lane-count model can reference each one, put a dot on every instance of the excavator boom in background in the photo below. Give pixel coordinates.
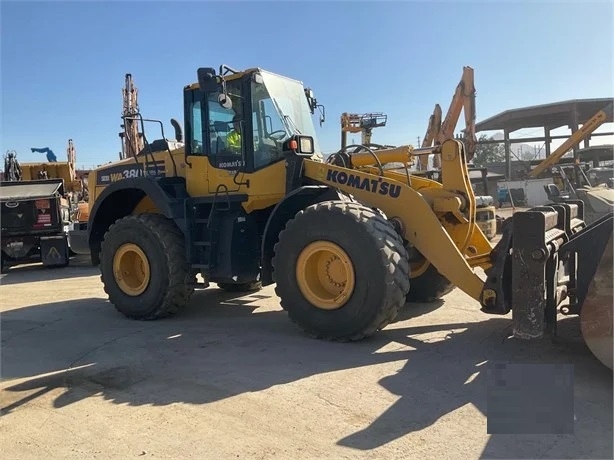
(576, 137)
(598, 200)
(438, 131)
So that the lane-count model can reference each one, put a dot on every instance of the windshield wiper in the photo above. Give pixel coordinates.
(290, 120)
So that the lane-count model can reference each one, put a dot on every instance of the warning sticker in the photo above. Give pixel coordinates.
(44, 219)
(53, 253)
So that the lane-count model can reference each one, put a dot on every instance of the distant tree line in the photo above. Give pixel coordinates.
(487, 153)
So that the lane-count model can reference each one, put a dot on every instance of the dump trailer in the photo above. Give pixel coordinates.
(345, 241)
(34, 219)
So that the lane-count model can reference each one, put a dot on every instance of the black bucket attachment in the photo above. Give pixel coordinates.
(546, 255)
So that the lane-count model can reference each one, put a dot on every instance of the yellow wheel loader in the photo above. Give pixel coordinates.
(247, 201)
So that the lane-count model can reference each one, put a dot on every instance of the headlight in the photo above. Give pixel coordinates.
(306, 145)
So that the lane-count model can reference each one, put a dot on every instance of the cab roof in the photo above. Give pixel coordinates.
(241, 73)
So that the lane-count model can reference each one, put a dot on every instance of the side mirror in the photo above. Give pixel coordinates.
(313, 104)
(207, 80)
(225, 101)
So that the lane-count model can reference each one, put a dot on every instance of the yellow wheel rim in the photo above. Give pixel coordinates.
(325, 275)
(131, 269)
(418, 268)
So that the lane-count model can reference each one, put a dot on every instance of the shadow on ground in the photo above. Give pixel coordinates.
(222, 346)
(80, 266)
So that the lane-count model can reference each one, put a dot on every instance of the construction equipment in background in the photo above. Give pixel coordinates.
(485, 211)
(601, 175)
(462, 100)
(132, 139)
(361, 123)
(12, 168)
(598, 199)
(35, 217)
(51, 158)
(432, 132)
(572, 183)
(576, 137)
(41, 204)
(346, 242)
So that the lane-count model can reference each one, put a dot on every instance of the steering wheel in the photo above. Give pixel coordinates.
(278, 138)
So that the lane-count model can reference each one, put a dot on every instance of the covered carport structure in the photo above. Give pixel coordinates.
(572, 114)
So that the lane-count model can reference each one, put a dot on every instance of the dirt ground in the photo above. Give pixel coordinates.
(232, 377)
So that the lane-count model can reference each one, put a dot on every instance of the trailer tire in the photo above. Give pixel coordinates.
(240, 287)
(429, 286)
(353, 250)
(167, 281)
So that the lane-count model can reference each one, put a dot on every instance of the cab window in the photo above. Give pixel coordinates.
(226, 127)
(197, 129)
(268, 128)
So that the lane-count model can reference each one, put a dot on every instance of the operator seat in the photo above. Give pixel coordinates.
(554, 194)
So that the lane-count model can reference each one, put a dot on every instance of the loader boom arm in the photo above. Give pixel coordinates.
(587, 128)
(445, 233)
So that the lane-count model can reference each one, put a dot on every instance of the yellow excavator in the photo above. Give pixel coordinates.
(345, 241)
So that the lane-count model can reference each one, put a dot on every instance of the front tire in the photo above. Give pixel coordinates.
(341, 271)
(143, 267)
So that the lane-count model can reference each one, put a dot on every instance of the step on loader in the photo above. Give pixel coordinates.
(245, 199)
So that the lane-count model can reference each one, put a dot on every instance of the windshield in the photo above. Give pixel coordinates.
(282, 107)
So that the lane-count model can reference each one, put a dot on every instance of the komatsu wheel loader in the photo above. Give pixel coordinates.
(345, 241)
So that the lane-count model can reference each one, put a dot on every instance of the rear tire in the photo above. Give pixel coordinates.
(376, 267)
(429, 286)
(168, 284)
(241, 287)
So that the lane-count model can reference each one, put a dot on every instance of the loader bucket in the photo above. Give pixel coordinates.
(596, 315)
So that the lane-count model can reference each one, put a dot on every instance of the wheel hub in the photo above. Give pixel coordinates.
(131, 269)
(325, 275)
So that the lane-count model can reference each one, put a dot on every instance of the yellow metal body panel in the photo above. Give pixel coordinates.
(110, 171)
(146, 206)
(266, 186)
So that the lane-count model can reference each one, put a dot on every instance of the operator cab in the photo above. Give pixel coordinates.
(247, 120)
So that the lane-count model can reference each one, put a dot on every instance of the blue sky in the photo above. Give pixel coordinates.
(63, 63)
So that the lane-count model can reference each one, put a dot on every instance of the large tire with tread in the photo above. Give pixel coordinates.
(240, 287)
(429, 286)
(171, 282)
(378, 259)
